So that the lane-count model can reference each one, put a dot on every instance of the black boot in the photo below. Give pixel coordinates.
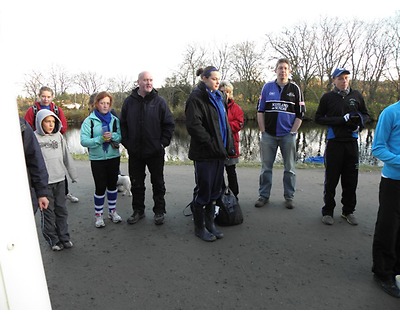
(199, 228)
(209, 221)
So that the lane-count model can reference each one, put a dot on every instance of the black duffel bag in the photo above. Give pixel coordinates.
(229, 213)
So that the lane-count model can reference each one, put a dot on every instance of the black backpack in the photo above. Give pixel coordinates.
(35, 111)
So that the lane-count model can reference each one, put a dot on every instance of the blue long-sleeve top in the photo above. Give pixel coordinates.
(386, 144)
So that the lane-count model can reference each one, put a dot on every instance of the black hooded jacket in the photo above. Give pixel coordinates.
(147, 125)
(36, 167)
(202, 124)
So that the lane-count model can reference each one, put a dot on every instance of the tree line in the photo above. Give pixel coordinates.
(369, 50)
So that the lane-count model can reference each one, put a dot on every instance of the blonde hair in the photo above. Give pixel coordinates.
(228, 88)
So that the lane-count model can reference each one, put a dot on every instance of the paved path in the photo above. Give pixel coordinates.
(277, 259)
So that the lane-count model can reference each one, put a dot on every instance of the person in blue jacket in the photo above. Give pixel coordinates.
(386, 241)
(211, 143)
(101, 134)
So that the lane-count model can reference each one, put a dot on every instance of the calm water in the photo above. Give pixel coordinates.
(310, 143)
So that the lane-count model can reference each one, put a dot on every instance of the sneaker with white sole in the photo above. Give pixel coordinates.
(72, 198)
(58, 246)
(114, 216)
(68, 244)
(350, 218)
(159, 218)
(328, 220)
(99, 223)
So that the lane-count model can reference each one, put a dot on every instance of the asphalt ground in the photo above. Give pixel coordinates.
(278, 259)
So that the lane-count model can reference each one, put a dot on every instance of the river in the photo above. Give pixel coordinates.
(310, 143)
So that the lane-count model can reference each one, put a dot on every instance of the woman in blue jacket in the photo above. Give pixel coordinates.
(211, 142)
(101, 134)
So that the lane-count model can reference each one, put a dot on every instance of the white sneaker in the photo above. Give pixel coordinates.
(114, 216)
(57, 247)
(99, 223)
(72, 198)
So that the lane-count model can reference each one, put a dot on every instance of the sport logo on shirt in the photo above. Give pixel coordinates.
(53, 144)
(279, 106)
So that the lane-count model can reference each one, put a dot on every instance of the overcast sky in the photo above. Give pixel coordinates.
(124, 37)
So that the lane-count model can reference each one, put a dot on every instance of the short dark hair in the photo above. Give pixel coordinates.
(92, 98)
(282, 60)
(44, 88)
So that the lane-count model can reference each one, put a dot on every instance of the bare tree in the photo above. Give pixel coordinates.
(120, 88)
(193, 59)
(298, 44)
(60, 80)
(355, 35)
(89, 82)
(33, 82)
(393, 71)
(333, 50)
(247, 64)
(372, 58)
(221, 58)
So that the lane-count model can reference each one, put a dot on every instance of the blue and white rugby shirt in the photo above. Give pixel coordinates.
(281, 107)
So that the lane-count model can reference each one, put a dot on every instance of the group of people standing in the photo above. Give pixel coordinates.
(213, 121)
(48, 162)
(145, 129)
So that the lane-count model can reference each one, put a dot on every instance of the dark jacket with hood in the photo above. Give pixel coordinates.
(202, 123)
(36, 167)
(147, 124)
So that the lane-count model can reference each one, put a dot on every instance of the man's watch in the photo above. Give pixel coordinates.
(293, 133)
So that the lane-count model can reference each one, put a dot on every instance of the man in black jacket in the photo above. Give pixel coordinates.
(343, 110)
(147, 126)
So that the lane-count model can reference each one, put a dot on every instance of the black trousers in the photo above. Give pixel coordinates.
(386, 242)
(341, 163)
(232, 179)
(105, 174)
(137, 174)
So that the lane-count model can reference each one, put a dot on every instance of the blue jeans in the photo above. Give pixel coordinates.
(268, 147)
